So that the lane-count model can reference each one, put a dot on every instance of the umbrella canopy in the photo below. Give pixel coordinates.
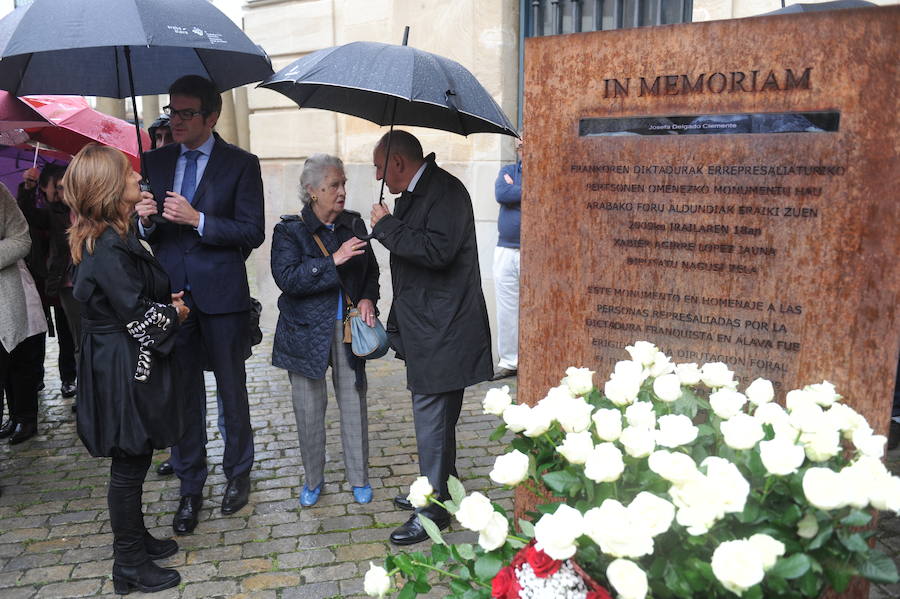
(368, 79)
(77, 124)
(16, 114)
(14, 160)
(79, 47)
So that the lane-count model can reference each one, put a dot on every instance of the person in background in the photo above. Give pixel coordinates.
(160, 132)
(130, 398)
(318, 285)
(508, 192)
(438, 321)
(210, 196)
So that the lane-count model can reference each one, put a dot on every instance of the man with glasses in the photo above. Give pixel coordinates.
(210, 196)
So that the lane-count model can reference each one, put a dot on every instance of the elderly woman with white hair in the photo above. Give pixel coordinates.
(323, 269)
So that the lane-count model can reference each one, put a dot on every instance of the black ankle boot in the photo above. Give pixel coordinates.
(146, 578)
(159, 549)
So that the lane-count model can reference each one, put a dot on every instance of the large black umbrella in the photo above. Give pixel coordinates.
(119, 48)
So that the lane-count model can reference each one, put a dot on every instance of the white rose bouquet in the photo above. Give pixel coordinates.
(668, 481)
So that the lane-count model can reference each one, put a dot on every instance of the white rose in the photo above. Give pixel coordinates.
(869, 444)
(823, 488)
(475, 511)
(717, 374)
(640, 414)
(742, 431)
(613, 529)
(642, 352)
(781, 456)
(823, 393)
(667, 387)
(579, 380)
(688, 373)
(377, 582)
(675, 430)
(555, 533)
(576, 447)
(885, 494)
(809, 417)
(655, 513)
(510, 468)
(769, 549)
(494, 534)
(604, 464)
(822, 444)
(662, 365)
(540, 418)
(760, 391)
(846, 419)
(496, 400)
(798, 397)
(420, 491)
(807, 527)
(674, 467)
(516, 417)
(574, 415)
(621, 391)
(731, 485)
(556, 398)
(608, 423)
(857, 480)
(727, 402)
(627, 578)
(771, 413)
(637, 441)
(737, 566)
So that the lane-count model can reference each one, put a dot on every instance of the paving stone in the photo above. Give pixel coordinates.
(307, 557)
(312, 591)
(65, 590)
(270, 580)
(45, 575)
(244, 566)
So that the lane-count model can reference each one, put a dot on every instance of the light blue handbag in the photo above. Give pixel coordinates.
(367, 342)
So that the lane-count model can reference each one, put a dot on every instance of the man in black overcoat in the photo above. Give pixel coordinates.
(210, 196)
(438, 321)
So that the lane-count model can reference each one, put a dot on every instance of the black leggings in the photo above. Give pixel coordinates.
(126, 516)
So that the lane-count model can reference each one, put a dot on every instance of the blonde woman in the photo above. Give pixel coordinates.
(128, 399)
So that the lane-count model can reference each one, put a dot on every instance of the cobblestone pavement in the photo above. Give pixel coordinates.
(55, 539)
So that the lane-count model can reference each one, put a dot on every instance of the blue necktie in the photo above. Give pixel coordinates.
(189, 180)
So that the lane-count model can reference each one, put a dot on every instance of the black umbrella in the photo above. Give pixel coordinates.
(392, 85)
(120, 48)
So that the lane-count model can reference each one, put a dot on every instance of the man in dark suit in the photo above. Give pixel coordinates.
(210, 196)
(438, 321)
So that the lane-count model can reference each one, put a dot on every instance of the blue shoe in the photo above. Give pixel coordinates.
(362, 494)
(310, 497)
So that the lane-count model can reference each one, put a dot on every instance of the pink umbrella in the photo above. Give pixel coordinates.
(77, 124)
(16, 114)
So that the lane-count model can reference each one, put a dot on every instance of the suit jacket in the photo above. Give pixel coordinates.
(230, 195)
(438, 321)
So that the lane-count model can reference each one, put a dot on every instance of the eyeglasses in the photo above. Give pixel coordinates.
(184, 114)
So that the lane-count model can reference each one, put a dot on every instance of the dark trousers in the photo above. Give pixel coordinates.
(126, 515)
(219, 343)
(24, 369)
(71, 310)
(435, 418)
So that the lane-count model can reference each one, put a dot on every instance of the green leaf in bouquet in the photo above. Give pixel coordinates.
(878, 567)
(451, 506)
(460, 587)
(755, 465)
(677, 583)
(788, 515)
(820, 539)
(561, 481)
(791, 567)
(487, 566)
(463, 551)
(752, 511)
(408, 591)
(431, 528)
(457, 490)
(421, 587)
(526, 527)
(523, 444)
(478, 593)
(403, 562)
(440, 553)
(754, 592)
(516, 543)
(810, 584)
(498, 433)
(856, 518)
(852, 541)
(839, 576)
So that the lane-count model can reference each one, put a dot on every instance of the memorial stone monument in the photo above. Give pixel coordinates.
(726, 190)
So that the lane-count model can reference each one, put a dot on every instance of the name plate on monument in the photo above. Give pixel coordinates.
(726, 190)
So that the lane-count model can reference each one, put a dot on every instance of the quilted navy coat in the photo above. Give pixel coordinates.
(309, 282)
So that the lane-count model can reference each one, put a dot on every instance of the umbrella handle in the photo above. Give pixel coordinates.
(36, 150)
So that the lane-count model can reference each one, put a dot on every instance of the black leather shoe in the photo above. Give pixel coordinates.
(7, 428)
(185, 520)
(159, 548)
(165, 468)
(237, 492)
(24, 431)
(68, 389)
(413, 532)
(401, 502)
(503, 373)
(146, 578)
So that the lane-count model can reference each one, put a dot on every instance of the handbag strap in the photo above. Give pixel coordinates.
(321, 245)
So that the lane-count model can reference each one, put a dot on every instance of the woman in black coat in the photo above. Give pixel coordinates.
(317, 288)
(128, 396)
